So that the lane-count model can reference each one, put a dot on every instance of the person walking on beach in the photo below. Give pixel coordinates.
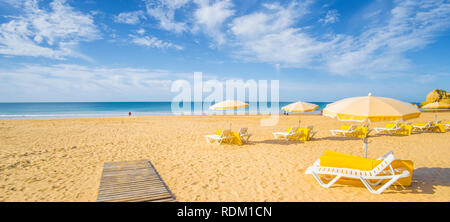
(129, 113)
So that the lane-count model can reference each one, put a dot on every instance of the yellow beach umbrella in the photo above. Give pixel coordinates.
(300, 107)
(370, 109)
(228, 104)
(436, 105)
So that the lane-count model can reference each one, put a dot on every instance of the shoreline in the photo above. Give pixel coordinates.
(162, 115)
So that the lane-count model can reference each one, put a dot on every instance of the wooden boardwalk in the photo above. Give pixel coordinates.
(132, 181)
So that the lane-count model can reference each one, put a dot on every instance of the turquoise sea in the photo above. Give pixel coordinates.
(108, 109)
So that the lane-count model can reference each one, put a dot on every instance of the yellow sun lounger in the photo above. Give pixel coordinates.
(424, 127)
(290, 134)
(440, 128)
(225, 136)
(350, 131)
(385, 170)
(307, 133)
(295, 133)
(221, 136)
(395, 129)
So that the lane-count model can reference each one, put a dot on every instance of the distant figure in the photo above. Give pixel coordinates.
(129, 113)
(320, 112)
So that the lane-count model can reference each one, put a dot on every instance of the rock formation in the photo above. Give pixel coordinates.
(437, 95)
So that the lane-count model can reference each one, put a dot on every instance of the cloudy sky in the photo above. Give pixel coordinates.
(132, 50)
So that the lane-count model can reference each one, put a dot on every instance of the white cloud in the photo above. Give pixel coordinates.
(131, 18)
(52, 34)
(15, 3)
(63, 82)
(210, 17)
(164, 12)
(275, 35)
(276, 19)
(271, 36)
(151, 41)
(141, 31)
(331, 17)
(411, 26)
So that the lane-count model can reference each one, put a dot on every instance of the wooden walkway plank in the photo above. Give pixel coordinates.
(132, 181)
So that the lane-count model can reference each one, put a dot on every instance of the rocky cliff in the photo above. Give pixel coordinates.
(437, 95)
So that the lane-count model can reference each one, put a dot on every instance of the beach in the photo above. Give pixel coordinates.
(62, 159)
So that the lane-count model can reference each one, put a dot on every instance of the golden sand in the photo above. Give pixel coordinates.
(62, 159)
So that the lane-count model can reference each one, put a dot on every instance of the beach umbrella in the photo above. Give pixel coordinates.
(369, 109)
(300, 107)
(228, 104)
(436, 106)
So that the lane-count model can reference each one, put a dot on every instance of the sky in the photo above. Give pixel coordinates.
(133, 50)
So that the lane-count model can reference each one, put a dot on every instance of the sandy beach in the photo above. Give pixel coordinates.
(62, 159)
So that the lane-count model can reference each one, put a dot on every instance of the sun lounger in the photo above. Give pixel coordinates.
(351, 131)
(220, 137)
(291, 134)
(351, 167)
(395, 129)
(312, 133)
(308, 133)
(423, 127)
(245, 136)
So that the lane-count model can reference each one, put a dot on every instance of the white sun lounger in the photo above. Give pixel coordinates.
(286, 135)
(311, 132)
(378, 173)
(390, 131)
(344, 133)
(427, 127)
(226, 134)
(245, 136)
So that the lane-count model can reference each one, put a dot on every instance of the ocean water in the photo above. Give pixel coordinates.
(112, 109)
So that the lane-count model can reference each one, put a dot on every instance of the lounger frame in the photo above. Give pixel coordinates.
(243, 133)
(391, 131)
(286, 135)
(379, 173)
(219, 139)
(428, 127)
(351, 131)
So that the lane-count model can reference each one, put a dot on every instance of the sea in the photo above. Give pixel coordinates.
(51, 110)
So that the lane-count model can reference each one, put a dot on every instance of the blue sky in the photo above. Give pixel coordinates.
(133, 50)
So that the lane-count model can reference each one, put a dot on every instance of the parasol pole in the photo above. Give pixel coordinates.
(366, 137)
